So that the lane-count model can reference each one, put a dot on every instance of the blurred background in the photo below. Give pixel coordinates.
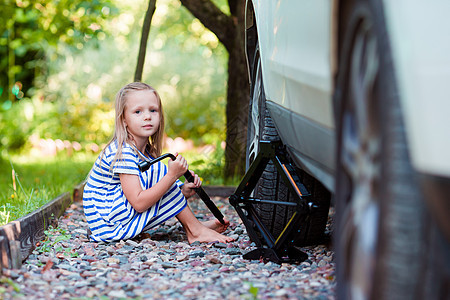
(61, 64)
(59, 78)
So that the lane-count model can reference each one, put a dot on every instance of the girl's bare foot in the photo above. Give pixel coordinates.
(197, 231)
(216, 225)
(207, 235)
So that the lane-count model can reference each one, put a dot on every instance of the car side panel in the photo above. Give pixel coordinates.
(297, 129)
(298, 78)
(297, 66)
(420, 40)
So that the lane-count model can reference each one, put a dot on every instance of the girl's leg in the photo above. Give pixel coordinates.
(197, 231)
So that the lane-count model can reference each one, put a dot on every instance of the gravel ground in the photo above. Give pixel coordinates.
(160, 264)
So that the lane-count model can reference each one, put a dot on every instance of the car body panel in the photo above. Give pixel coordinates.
(297, 129)
(298, 85)
(298, 73)
(420, 40)
(290, 74)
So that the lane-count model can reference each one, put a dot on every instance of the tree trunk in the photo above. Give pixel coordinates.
(230, 30)
(11, 60)
(144, 37)
(237, 100)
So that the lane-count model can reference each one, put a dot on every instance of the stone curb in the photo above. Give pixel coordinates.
(18, 238)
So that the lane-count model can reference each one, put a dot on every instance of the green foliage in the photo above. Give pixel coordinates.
(37, 181)
(208, 162)
(188, 65)
(52, 242)
(6, 282)
(185, 63)
(13, 128)
(252, 290)
(59, 120)
(23, 119)
(84, 67)
(29, 30)
(208, 165)
(43, 21)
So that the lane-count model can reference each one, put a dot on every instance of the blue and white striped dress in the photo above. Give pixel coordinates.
(109, 214)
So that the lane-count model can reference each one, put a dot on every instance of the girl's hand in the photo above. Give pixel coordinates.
(188, 188)
(177, 167)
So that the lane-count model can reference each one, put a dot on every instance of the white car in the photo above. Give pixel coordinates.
(359, 93)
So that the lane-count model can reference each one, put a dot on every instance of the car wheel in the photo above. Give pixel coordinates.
(270, 185)
(261, 127)
(380, 215)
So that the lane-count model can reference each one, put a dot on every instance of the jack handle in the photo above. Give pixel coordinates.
(145, 165)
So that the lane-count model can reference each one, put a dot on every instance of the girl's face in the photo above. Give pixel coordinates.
(142, 115)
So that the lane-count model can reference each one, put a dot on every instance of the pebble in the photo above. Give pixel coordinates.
(232, 251)
(160, 264)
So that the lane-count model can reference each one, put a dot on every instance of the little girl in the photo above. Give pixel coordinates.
(119, 201)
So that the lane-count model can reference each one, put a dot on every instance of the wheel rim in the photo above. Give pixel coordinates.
(254, 135)
(360, 161)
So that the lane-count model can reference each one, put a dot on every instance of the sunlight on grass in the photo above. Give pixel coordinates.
(28, 182)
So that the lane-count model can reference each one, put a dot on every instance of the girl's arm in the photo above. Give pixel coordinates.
(142, 200)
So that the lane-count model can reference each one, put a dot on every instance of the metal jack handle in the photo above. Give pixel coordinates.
(145, 165)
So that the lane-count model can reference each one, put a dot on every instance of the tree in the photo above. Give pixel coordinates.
(144, 38)
(230, 30)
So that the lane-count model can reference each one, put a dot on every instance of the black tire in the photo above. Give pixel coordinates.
(270, 186)
(380, 213)
(261, 127)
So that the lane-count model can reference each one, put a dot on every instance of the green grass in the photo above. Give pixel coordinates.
(37, 181)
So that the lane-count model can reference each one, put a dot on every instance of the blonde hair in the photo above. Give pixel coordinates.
(121, 134)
